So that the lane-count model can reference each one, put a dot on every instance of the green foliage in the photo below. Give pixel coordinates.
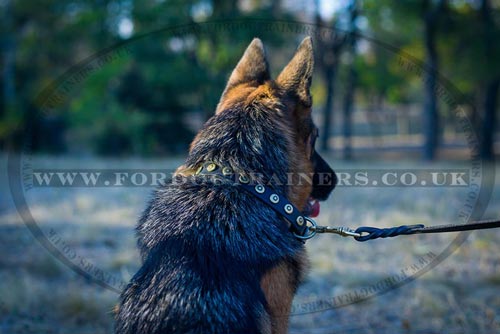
(139, 102)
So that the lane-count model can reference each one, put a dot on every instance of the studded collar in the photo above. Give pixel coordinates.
(269, 196)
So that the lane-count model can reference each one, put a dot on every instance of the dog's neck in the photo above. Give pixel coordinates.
(213, 173)
(248, 141)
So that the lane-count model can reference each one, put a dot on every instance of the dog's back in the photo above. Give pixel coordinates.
(206, 246)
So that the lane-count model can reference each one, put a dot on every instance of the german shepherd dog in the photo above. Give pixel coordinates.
(215, 258)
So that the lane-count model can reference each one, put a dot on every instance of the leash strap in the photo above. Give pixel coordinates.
(370, 233)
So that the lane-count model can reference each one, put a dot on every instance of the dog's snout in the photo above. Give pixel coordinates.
(324, 180)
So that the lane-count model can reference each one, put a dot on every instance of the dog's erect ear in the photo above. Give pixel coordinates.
(297, 75)
(252, 68)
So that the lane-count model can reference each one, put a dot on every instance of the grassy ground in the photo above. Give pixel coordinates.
(94, 228)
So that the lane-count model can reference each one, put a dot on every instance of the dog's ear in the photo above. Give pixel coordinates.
(297, 75)
(252, 68)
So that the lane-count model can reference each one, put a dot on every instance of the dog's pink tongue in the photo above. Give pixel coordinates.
(315, 207)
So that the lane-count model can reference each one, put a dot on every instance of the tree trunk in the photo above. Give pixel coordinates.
(489, 121)
(330, 75)
(8, 75)
(490, 101)
(9, 96)
(431, 119)
(430, 112)
(327, 61)
(348, 103)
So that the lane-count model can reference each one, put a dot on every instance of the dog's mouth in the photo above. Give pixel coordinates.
(312, 207)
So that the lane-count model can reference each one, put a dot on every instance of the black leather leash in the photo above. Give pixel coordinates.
(305, 227)
(370, 233)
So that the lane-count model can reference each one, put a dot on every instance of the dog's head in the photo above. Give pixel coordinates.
(289, 94)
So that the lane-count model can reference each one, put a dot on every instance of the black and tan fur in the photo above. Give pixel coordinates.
(215, 259)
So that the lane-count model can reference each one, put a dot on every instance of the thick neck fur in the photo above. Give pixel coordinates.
(250, 139)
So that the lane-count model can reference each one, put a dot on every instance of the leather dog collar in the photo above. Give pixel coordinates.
(266, 194)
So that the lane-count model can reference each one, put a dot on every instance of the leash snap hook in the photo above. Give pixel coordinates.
(342, 230)
(347, 232)
(313, 228)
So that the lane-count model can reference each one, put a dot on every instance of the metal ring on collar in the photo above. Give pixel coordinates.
(309, 232)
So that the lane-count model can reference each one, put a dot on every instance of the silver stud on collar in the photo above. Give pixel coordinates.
(243, 179)
(288, 208)
(274, 198)
(300, 220)
(260, 188)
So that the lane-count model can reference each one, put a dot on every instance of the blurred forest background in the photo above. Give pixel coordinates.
(151, 100)
(106, 84)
